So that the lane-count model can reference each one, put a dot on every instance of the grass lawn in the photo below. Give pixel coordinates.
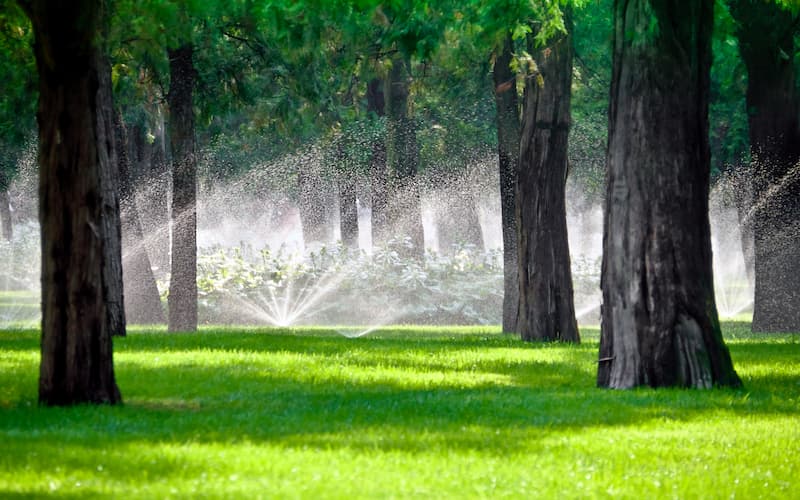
(433, 413)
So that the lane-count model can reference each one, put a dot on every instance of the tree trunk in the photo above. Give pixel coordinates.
(112, 271)
(508, 138)
(766, 42)
(5, 214)
(74, 175)
(546, 307)
(659, 319)
(402, 158)
(142, 300)
(182, 300)
(379, 188)
(154, 211)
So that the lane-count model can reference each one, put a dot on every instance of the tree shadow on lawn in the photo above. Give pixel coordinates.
(323, 392)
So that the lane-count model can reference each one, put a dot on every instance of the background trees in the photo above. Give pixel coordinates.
(766, 34)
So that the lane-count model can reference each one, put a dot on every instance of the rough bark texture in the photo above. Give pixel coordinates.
(379, 182)
(402, 158)
(659, 319)
(766, 42)
(546, 307)
(183, 275)
(74, 165)
(142, 300)
(5, 215)
(508, 138)
(113, 288)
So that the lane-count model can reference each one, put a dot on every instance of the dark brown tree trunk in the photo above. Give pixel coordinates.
(142, 301)
(112, 272)
(766, 41)
(402, 158)
(182, 301)
(508, 138)
(546, 307)
(379, 187)
(74, 175)
(659, 319)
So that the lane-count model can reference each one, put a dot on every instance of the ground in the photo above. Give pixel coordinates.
(403, 412)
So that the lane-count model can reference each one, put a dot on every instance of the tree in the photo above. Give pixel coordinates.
(766, 33)
(659, 319)
(508, 138)
(74, 187)
(376, 108)
(182, 300)
(546, 308)
(402, 157)
(142, 300)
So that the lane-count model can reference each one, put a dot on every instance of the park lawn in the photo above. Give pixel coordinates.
(424, 412)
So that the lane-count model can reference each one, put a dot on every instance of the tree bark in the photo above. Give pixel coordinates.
(142, 300)
(112, 271)
(766, 41)
(182, 300)
(376, 105)
(659, 319)
(508, 139)
(404, 212)
(546, 307)
(74, 176)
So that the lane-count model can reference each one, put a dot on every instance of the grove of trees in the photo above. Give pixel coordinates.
(642, 103)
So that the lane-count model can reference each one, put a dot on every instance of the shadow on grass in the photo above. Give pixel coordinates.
(465, 392)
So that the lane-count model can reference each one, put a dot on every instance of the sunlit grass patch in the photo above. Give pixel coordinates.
(404, 411)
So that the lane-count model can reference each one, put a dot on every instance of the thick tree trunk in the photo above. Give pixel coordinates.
(402, 158)
(74, 172)
(182, 300)
(546, 307)
(379, 188)
(766, 42)
(508, 138)
(5, 215)
(142, 301)
(659, 319)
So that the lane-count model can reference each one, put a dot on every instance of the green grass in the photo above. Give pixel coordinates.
(424, 412)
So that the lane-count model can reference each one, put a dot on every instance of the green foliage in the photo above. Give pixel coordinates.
(341, 286)
(727, 114)
(405, 412)
(19, 93)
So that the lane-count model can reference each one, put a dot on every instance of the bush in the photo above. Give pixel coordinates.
(347, 287)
